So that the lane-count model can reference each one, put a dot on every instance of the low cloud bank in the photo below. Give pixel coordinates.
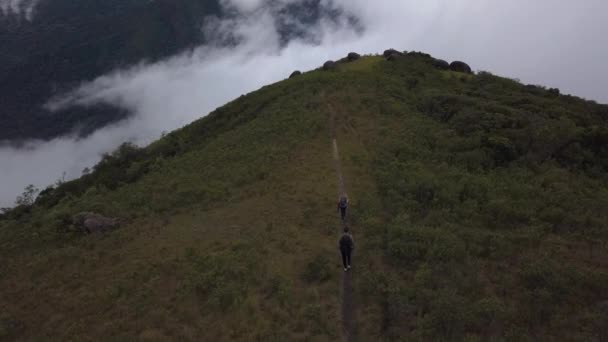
(555, 47)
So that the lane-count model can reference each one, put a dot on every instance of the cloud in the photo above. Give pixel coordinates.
(18, 7)
(544, 42)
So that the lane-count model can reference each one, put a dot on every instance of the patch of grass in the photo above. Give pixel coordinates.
(318, 270)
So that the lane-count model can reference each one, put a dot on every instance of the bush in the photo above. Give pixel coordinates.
(447, 316)
(318, 270)
(411, 245)
(222, 281)
(295, 73)
(281, 289)
(444, 107)
(504, 150)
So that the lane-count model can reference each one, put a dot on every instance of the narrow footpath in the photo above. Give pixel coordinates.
(348, 324)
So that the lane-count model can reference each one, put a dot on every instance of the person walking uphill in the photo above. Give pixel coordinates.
(342, 205)
(346, 245)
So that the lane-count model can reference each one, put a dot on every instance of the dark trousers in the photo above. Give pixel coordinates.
(343, 213)
(345, 256)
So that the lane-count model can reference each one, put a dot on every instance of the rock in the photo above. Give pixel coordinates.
(419, 54)
(389, 52)
(329, 65)
(459, 66)
(295, 73)
(394, 57)
(441, 64)
(392, 54)
(353, 56)
(87, 222)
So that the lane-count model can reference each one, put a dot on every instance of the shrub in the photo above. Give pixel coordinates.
(318, 269)
(280, 288)
(504, 150)
(27, 197)
(295, 73)
(410, 245)
(222, 281)
(444, 107)
(447, 316)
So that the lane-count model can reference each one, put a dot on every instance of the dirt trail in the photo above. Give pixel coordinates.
(348, 321)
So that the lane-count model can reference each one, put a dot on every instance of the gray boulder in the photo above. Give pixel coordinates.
(459, 66)
(390, 52)
(394, 57)
(441, 64)
(90, 223)
(353, 56)
(329, 65)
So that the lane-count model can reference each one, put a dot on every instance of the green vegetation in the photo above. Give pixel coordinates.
(477, 204)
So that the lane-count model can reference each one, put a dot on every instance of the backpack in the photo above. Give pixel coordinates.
(346, 242)
(343, 202)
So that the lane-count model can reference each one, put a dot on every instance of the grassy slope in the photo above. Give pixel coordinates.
(476, 206)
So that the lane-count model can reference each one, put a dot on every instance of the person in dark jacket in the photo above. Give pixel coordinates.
(342, 205)
(346, 245)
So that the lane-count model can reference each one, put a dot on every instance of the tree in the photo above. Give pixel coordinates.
(61, 180)
(28, 196)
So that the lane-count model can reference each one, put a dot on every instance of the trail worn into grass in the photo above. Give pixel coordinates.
(348, 322)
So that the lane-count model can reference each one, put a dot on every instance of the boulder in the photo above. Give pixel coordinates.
(353, 56)
(459, 66)
(394, 57)
(441, 64)
(389, 52)
(329, 65)
(419, 54)
(89, 223)
(295, 73)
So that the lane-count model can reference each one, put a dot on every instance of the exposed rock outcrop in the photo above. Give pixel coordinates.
(89, 223)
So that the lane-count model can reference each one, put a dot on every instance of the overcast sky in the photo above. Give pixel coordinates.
(557, 43)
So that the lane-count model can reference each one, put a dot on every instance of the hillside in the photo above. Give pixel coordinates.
(477, 204)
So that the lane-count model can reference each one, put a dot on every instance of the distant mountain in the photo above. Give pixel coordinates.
(67, 42)
(477, 204)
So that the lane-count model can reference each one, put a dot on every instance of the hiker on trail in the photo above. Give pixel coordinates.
(342, 205)
(346, 245)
